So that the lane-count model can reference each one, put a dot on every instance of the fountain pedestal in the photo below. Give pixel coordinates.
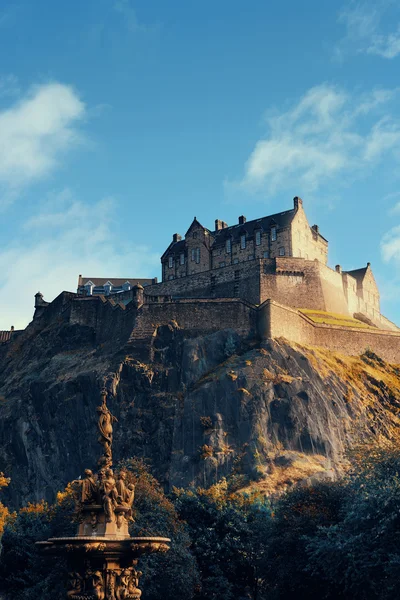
(102, 557)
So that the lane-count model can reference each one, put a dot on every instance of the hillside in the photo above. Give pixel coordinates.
(204, 407)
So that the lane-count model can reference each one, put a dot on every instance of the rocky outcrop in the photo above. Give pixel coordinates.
(198, 408)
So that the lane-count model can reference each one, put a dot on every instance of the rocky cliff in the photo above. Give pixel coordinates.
(198, 408)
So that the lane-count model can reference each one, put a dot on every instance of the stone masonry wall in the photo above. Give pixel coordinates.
(281, 321)
(200, 315)
(241, 280)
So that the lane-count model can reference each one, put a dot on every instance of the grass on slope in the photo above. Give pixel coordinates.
(328, 318)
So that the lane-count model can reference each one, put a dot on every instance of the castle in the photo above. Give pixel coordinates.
(265, 278)
(279, 257)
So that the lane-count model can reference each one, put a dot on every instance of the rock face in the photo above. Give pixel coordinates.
(198, 408)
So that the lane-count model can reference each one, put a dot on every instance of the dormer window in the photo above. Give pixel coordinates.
(127, 286)
(228, 246)
(258, 238)
(243, 241)
(89, 288)
(107, 288)
(273, 234)
(170, 262)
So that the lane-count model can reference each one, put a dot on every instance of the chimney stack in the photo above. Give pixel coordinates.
(242, 220)
(220, 225)
(176, 237)
(316, 228)
(297, 202)
(338, 269)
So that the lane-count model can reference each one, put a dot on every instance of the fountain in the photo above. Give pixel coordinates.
(102, 557)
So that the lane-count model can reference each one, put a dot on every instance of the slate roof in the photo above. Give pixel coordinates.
(175, 248)
(116, 282)
(279, 220)
(358, 274)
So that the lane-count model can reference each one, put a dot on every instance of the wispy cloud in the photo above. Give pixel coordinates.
(9, 86)
(320, 138)
(365, 30)
(67, 237)
(35, 132)
(129, 15)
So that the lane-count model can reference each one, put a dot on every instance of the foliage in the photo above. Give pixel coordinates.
(331, 540)
(228, 539)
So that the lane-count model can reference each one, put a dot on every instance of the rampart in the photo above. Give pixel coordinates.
(276, 320)
(109, 322)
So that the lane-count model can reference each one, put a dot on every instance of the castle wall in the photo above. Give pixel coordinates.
(306, 242)
(281, 321)
(200, 315)
(293, 282)
(241, 280)
(332, 290)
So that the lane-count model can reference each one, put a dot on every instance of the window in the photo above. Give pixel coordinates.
(235, 261)
(197, 255)
(228, 246)
(193, 254)
(89, 288)
(266, 254)
(107, 288)
(195, 235)
(273, 234)
(281, 251)
(243, 242)
(170, 277)
(182, 259)
(171, 262)
(258, 238)
(221, 264)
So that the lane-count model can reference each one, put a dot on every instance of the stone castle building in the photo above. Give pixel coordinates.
(278, 257)
(262, 279)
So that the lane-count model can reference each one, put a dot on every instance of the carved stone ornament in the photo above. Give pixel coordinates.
(102, 557)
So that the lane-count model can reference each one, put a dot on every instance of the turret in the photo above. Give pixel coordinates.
(138, 295)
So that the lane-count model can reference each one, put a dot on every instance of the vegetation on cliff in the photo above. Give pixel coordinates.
(329, 540)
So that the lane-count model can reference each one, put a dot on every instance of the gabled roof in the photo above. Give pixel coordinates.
(196, 224)
(279, 220)
(116, 282)
(358, 274)
(174, 247)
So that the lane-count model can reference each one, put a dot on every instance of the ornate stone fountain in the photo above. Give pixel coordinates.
(102, 557)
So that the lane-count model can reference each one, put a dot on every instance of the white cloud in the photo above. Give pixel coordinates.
(365, 32)
(390, 245)
(36, 132)
(67, 237)
(322, 137)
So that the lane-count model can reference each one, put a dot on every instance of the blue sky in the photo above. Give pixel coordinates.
(122, 119)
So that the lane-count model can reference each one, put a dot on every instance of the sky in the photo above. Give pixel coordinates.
(121, 120)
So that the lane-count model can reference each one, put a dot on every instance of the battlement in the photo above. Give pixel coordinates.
(135, 326)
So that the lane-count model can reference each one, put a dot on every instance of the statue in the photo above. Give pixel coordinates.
(133, 589)
(105, 425)
(131, 497)
(75, 585)
(108, 493)
(126, 494)
(121, 487)
(96, 583)
(89, 488)
(123, 585)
